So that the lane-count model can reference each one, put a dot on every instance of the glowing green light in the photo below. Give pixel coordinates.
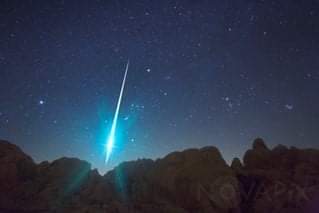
(111, 139)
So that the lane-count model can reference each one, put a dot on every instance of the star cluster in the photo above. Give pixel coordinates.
(202, 73)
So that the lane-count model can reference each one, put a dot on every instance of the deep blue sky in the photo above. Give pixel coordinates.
(202, 72)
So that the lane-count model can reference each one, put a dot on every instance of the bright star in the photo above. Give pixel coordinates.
(289, 106)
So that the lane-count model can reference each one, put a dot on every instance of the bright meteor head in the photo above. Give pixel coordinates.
(111, 139)
(109, 147)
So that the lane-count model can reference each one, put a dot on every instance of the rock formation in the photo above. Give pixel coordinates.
(195, 180)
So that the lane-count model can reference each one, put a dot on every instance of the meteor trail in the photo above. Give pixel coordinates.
(111, 137)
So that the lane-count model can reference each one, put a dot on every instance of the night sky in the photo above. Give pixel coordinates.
(201, 73)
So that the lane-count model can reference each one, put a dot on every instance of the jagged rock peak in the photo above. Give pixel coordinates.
(236, 164)
(259, 144)
(193, 180)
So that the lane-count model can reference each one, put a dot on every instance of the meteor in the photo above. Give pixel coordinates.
(111, 138)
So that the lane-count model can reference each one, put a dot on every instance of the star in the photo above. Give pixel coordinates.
(41, 102)
(168, 77)
(289, 106)
(148, 70)
(226, 98)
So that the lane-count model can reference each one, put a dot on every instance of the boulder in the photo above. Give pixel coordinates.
(236, 165)
(18, 173)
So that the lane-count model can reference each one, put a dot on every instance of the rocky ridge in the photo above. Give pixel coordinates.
(281, 179)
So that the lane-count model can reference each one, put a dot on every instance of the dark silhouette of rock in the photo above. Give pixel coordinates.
(283, 180)
(258, 157)
(191, 179)
(259, 144)
(17, 175)
(195, 180)
(236, 165)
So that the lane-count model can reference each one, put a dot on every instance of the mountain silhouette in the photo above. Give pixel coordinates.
(281, 180)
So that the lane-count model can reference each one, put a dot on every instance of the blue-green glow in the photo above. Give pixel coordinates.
(111, 138)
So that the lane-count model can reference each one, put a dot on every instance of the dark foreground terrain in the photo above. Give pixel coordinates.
(195, 180)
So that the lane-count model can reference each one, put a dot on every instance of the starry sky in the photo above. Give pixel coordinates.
(202, 73)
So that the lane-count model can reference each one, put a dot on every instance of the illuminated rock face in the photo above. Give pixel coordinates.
(195, 180)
